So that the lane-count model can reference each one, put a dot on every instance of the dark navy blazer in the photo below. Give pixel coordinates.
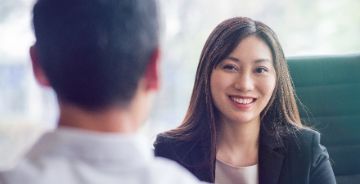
(296, 159)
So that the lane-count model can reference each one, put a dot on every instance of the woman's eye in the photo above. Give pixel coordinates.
(229, 67)
(261, 70)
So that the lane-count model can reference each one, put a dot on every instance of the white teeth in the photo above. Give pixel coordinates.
(242, 100)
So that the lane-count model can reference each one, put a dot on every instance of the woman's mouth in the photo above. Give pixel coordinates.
(242, 101)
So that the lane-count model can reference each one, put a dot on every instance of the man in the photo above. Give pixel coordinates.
(101, 59)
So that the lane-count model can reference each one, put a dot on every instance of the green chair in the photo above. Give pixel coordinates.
(329, 87)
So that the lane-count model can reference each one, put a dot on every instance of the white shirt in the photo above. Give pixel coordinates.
(73, 156)
(227, 174)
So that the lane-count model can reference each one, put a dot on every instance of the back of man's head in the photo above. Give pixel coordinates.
(93, 52)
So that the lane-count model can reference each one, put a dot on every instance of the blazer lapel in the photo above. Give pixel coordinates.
(271, 157)
(194, 158)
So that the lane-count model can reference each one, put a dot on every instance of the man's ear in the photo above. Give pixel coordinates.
(37, 70)
(152, 72)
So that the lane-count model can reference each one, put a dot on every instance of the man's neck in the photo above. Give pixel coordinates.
(114, 119)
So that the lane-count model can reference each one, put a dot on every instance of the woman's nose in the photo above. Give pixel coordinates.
(244, 82)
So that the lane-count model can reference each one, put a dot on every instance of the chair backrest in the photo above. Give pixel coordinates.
(329, 87)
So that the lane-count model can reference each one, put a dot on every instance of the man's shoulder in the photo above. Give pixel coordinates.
(158, 170)
(26, 171)
(168, 171)
(43, 171)
(42, 167)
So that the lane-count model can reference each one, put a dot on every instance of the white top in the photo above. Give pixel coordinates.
(227, 174)
(74, 156)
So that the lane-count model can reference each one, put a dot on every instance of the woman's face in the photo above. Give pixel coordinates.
(242, 84)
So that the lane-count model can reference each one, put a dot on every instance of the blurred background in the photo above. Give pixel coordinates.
(304, 27)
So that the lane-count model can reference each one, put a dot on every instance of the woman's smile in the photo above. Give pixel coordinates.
(242, 102)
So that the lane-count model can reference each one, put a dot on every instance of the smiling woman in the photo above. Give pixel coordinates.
(243, 125)
(242, 84)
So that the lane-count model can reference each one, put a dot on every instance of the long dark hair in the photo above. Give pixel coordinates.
(281, 112)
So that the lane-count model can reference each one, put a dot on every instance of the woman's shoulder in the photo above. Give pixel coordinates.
(305, 149)
(166, 139)
(305, 136)
(167, 145)
(307, 142)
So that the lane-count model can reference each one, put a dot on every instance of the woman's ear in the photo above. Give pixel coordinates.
(152, 72)
(37, 70)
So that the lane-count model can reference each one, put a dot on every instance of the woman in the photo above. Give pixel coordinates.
(243, 124)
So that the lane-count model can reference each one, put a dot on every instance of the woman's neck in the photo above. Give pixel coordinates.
(238, 143)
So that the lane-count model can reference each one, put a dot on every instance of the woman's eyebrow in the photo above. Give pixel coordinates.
(256, 61)
(262, 60)
(233, 58)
